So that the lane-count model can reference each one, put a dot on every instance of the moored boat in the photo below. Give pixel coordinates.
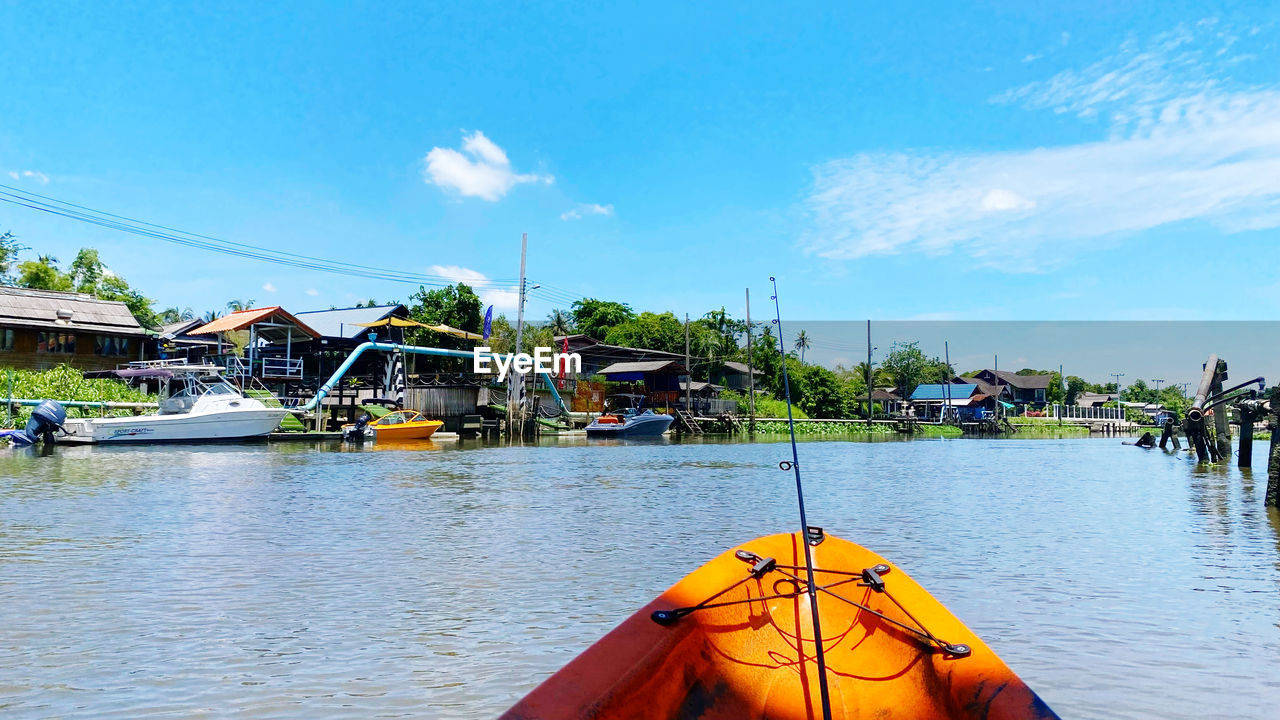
(396, 426)
(207, 408)
(734, 639)
(630, 424)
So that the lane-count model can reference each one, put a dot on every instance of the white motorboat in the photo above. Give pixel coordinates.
(207, 408)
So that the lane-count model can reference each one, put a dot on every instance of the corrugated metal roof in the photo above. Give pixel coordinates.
(1026, 382)
(644, 367)
(937, 391)
(242, 319)
(342, 323)
(740, 367)
(24, 307)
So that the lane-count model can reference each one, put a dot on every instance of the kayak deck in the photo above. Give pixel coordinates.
(734, 640)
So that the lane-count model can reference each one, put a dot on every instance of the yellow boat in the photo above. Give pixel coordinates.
(401, 425)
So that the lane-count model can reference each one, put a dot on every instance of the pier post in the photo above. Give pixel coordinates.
(1248, 415)
(1221, 426)
(1273, 458)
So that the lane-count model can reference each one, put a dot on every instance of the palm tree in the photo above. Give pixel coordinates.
(560, 322)
(238, 305)
(173, 315)
(802, 343)
(209, 316)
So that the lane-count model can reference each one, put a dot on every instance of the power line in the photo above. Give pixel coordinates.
(121, 223)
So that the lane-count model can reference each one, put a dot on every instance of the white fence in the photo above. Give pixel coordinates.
(1078, 412)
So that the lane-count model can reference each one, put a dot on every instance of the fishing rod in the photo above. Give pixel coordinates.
(804, 521)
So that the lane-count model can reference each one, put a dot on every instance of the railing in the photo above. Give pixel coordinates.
(1079, 412)
(287, 368)
(275, 368)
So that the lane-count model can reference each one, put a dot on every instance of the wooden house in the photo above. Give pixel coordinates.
(40, 329)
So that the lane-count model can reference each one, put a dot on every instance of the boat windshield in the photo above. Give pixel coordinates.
(207, 385)
(395, 418)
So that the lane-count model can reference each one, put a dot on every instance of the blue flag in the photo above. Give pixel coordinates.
(488, 322)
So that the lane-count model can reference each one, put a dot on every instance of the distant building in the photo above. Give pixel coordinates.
(172, 342)
(734, 376)
(597, 355)
(1021, 389)
(40, 329)
(966, 399)
(1090, 399)
(658, 380)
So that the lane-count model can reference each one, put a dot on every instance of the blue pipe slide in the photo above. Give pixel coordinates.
(334, 379)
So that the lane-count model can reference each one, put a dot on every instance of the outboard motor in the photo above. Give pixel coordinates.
(358, 432)
(46, 419)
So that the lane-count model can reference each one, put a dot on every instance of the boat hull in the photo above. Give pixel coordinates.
(634, 427)
(755, 659)
(212, 426)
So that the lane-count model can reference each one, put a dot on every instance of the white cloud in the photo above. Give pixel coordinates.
(1179, 146)
(313, 292)
(490, 293)
(29, 174)
(268, 287)
(487, 174)
(584, 209)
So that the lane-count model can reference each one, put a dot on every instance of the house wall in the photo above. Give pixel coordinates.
(23, 351)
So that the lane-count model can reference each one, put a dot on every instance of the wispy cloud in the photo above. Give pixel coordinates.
(1181, 141)
(486, 174)
(268, 287)
(35, 175)
(584, 209)
(313, 292)
(491, 293)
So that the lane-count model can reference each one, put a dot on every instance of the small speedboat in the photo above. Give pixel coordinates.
(396, 426)
(630, 423)
(207, 408)
(734, 639)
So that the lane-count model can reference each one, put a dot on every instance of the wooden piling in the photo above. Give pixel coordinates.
(1273, 458)
(1248, 414)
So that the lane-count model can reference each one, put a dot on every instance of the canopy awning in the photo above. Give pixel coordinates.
(405, 322)
(392, 322)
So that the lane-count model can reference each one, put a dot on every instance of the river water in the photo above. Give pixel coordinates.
(286, 581)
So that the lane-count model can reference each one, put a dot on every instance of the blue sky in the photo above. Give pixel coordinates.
(1000, 160)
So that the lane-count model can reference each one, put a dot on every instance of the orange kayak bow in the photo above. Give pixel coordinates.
(734, 641)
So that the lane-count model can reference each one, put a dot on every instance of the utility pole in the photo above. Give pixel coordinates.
(999, 388)
(869, 406)
(946, 372)
(688, 385)
(1158, 382)
(751, 373)
(1119, 407)
(513, 385)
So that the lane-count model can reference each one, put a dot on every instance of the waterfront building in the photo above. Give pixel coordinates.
(40, 329)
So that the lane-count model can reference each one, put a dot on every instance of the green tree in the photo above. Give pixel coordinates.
(87, 271)
(9, 249)
(907, 365)
(239, 305)
(650, 331)
(173, 315)
(595, 318)
(456, 306)
(43, 274)
(1075, 386)
(802, 343)
(560, 322)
